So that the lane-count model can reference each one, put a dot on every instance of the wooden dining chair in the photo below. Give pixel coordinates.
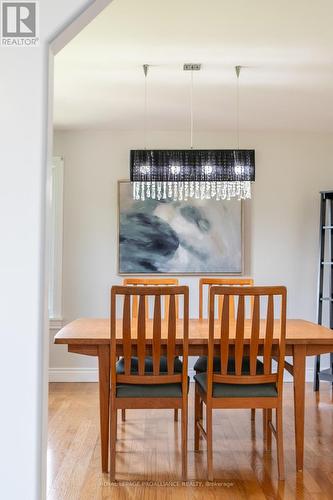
(206, 283)
(151, 282)
(209, 282)
(234, 340)
(150, 373)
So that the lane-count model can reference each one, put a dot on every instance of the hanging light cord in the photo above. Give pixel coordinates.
(238, 69)
(191, 111)
(145, 70)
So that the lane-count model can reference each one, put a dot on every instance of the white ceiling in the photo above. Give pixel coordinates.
(285, 46)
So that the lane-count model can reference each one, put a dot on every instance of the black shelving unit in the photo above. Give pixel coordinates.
(325, 273)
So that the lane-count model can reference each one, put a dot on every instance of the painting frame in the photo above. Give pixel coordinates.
(152, 273)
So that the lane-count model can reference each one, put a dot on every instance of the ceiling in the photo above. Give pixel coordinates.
(285, 48)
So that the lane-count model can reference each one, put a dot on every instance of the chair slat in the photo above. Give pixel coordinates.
(149, 379)
(177, 306)
(166, 306)
(134, 306)
(239, 343)
(251, 306)
(224, 344)
(245, 379)
(220, 305)
(127, 334)
(200, 299)
(157, 335)
(146, 307)
(171, 335)
(142, 335)
(255, 331)
(208, 300)
(231, 307)
(269, 335)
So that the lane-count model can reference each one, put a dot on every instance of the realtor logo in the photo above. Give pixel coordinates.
(19, 23)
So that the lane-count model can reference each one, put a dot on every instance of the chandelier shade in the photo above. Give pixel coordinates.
(192, 173)
(192, 165)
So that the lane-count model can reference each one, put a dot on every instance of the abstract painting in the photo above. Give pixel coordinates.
(178, 237)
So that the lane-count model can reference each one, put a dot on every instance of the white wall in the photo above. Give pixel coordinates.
(281, 233)
(23, 149)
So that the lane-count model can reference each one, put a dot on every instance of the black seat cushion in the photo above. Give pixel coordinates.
(201, 365)
(237, 390)
(120, 365)
(149, 390)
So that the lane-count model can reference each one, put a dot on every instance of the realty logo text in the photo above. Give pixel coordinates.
(19, 24)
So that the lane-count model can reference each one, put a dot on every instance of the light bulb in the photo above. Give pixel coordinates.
(175, 169)
(238, 169)
(144, 169)
(207, 169)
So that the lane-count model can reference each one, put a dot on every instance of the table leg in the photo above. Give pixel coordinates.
(104, 401)
(299, 355)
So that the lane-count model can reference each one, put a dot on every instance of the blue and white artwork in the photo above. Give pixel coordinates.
(178, 237)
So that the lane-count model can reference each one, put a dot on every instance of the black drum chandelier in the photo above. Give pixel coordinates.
(219, 174)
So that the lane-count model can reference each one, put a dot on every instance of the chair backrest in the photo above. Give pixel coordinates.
(152, 282)
(236, 336)
(220, 281)
(144, 337)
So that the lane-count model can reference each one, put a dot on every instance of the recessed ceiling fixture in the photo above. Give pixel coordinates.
(219, 174)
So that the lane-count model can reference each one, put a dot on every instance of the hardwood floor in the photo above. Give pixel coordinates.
(148, 450)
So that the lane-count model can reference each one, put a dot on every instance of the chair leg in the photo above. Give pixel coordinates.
(123, 415)
(268, 429)
(175, 416)
(113, 437)
(253, 414)
(197, 413)
(209, 433)
(316, 373)
(184, 441)
(201, 410)
(200, 416)
(279, 443)
(264, 426)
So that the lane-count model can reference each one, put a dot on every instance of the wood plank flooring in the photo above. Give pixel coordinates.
(148, 452)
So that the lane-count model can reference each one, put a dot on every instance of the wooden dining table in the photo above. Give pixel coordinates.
(91, 337)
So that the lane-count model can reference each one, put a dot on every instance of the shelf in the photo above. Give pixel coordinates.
(325, 274)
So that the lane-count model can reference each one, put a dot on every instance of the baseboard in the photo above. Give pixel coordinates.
(73, 375)
(79, 374)
(91, 375)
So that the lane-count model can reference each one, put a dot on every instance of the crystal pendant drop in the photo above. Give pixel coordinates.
(186, 191)
(142, 192)
(191, 189)
(159, 191)
(169, 189)
(207, 188)
(216, 190)
(175, 191)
